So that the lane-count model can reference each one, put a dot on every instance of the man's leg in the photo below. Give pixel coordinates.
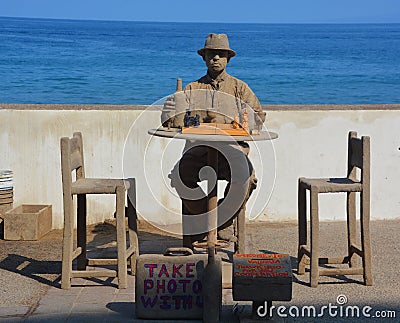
(184, 178)
(226, 230)
(238, 190)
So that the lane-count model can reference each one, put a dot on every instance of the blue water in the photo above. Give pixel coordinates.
(108, 62)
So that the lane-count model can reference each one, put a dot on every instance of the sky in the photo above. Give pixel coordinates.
(236, 11)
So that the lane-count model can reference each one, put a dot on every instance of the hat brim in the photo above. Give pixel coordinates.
(231, 52)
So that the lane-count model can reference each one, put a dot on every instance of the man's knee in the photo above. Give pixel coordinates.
(252, 184)
(180, 176)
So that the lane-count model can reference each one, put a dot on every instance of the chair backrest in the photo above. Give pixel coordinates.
(71, 159)
(358, 157)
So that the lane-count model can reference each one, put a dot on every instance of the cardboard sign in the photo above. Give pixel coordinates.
(261, 277)
(170, 287)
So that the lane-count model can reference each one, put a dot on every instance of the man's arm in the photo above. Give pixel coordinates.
(174, 109)
(251, 99)
(168, 112)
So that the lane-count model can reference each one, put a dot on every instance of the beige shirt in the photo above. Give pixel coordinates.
(224, 83)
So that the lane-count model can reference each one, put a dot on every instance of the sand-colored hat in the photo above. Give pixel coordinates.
(217, 41)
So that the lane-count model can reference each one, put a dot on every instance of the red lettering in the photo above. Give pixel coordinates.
(189, 270)
(160, 285)
(164, 305)
(177, 300)
(261, 255)
(151, 268)
(148, 301)
(148, 284)
(197, 287)
(163, 271)
(175, 270)
(187, 302)
(171, 286)
(264, 261)
(184, 282)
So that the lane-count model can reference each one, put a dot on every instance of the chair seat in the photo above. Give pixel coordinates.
(331, 185)
(97, 185)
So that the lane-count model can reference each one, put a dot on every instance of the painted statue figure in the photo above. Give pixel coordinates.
(185, 176)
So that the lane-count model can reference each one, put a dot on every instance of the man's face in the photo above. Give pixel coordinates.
(216, 59)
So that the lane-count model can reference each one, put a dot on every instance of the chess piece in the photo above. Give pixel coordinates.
(186, 119)
(245, 120)
(235, 123)
(196, 121)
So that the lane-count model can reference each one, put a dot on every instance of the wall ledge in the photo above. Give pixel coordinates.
(272, 107)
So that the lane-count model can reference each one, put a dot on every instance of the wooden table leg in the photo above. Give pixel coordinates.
(212, 161)
(213, 272)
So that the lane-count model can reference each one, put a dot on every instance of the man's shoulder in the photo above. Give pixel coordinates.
(201, 80)
(235, 80)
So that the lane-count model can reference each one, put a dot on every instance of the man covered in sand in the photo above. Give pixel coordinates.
(234, 165)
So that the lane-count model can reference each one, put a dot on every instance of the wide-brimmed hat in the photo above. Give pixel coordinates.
(217, 41)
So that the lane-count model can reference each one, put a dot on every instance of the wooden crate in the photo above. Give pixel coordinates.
(27, 222)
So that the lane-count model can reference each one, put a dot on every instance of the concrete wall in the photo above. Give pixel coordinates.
(312, 143)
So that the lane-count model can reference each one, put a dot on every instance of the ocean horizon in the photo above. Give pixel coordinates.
(63, 61)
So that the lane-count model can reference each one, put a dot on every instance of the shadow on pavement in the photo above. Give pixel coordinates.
(124, 309)
(32, 268)
(293, 262)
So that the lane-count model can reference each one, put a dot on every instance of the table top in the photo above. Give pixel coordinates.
(176, 134)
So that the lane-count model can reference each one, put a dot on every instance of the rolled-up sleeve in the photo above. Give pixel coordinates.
(167, 117)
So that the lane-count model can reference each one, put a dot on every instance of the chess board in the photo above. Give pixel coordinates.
(216, 129)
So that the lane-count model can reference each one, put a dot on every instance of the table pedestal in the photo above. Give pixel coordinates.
(212, 203)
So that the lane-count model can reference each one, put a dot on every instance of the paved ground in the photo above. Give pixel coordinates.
(30, 277)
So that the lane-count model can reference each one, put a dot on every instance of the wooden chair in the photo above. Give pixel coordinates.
(72, 160)
(358, 157)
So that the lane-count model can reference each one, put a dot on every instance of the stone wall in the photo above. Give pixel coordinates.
(312, 143)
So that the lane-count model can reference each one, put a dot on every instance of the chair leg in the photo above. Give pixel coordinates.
(366, 239)
(67, 243)
(121, 238)
(241, 230)
(314, 249)
(81, 231)
(351, 228)
(302, 223)
(133, 241)
(132, 224)
(187, 240)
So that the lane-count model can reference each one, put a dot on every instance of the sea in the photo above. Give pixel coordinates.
(48, 61)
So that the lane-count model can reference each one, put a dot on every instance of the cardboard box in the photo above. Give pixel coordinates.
(172, 286)
(262, 277)
(27, 222)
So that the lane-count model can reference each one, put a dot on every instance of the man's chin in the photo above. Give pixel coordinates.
(216, 70)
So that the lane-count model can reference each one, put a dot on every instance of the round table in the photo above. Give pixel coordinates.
(212, 161)
(175, 133)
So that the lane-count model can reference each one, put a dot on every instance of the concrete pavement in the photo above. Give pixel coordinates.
(30, 290)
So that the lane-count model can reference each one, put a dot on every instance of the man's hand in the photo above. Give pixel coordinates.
(169, 104)
(168, 111)
(259, 117)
